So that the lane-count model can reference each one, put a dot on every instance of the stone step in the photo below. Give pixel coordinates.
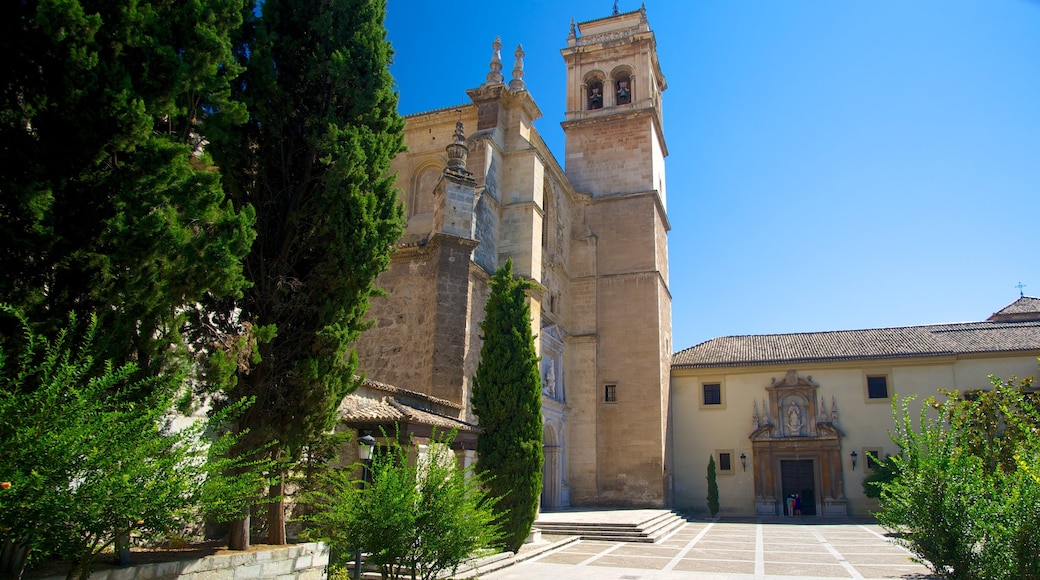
(648, 531)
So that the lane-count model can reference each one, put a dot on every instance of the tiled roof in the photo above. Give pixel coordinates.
(387, 409)
(874, 343)
(1025, 308)
(372, 384)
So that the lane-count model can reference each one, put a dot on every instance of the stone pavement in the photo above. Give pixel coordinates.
(763, 549)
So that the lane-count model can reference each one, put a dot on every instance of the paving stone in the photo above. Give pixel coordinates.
(709, 545)
(561, 558)
(803, 546)
(915, 571)
(716, 566)
(877, 559)
(611, 561)
(652, 550)
(806, 557)
(702, 554)
(807, 570)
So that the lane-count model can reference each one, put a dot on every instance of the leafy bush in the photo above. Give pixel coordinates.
(884, 472)
(91, 457)
(425, 518)
(966, 498)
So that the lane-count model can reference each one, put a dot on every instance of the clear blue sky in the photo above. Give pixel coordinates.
(833, 164)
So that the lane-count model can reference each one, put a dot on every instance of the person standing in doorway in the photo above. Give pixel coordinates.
(790, 505)
(797, 504)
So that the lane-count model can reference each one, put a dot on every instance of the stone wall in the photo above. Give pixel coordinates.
(293, 562)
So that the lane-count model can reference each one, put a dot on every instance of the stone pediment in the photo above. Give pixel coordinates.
(552, 331)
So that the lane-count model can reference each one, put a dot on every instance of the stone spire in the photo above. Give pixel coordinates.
(495, 76)
(573, 33)
(834, 410)
(517, 84)
(457, 151)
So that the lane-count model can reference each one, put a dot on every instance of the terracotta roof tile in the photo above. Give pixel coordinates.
(874, 343)
(360, 409)
(1025, 308)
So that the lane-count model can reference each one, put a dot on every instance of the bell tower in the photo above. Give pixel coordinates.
(614, 158)
(615, 139)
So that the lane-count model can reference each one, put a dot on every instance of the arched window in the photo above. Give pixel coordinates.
(595, 95)
(420, 200)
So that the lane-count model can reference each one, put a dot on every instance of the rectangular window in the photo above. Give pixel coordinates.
(712, 393)
(877, 387)
(610, 394)
(872, 454)
(725, 462)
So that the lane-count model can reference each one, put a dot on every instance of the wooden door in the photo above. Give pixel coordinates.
(797, 477)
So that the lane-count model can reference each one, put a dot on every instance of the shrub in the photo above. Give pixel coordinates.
(713, 488)
(424, 518)
(91, 456)
(966, 499)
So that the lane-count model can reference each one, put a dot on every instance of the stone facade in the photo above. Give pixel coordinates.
(593, 235)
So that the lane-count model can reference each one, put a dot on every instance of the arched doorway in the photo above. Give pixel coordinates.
(551, 470)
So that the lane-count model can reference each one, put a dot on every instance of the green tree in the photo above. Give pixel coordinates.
(313, 160)
(507, 399)
(884, 471)
(713, 488)
(412, 519)
(86, 460)
(108, 202)
(966, 499)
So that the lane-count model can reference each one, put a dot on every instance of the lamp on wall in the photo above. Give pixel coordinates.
(365, 444)
(854, 456)
(743, 461)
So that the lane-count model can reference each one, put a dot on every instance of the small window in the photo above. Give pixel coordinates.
(877, 387)
(873, 454)
(712, 393)
(725, 462)
(610, 394)
(596, 95)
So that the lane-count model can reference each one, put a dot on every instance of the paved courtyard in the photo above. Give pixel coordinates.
(732, 550)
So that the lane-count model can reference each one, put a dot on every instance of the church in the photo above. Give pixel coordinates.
(626, 423)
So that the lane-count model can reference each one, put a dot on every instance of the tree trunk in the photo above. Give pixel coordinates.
(239, 533)
(276, 513)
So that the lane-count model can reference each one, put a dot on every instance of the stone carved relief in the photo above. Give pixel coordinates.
(606, 36)
(553, 379)
(549, 381)
(794, 419)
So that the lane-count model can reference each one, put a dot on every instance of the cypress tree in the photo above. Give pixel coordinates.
(713, 488)
(108, 203)
(507, 399)
(313, 160)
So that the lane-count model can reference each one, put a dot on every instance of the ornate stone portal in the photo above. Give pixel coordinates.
(555, 487)
(796, 446)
